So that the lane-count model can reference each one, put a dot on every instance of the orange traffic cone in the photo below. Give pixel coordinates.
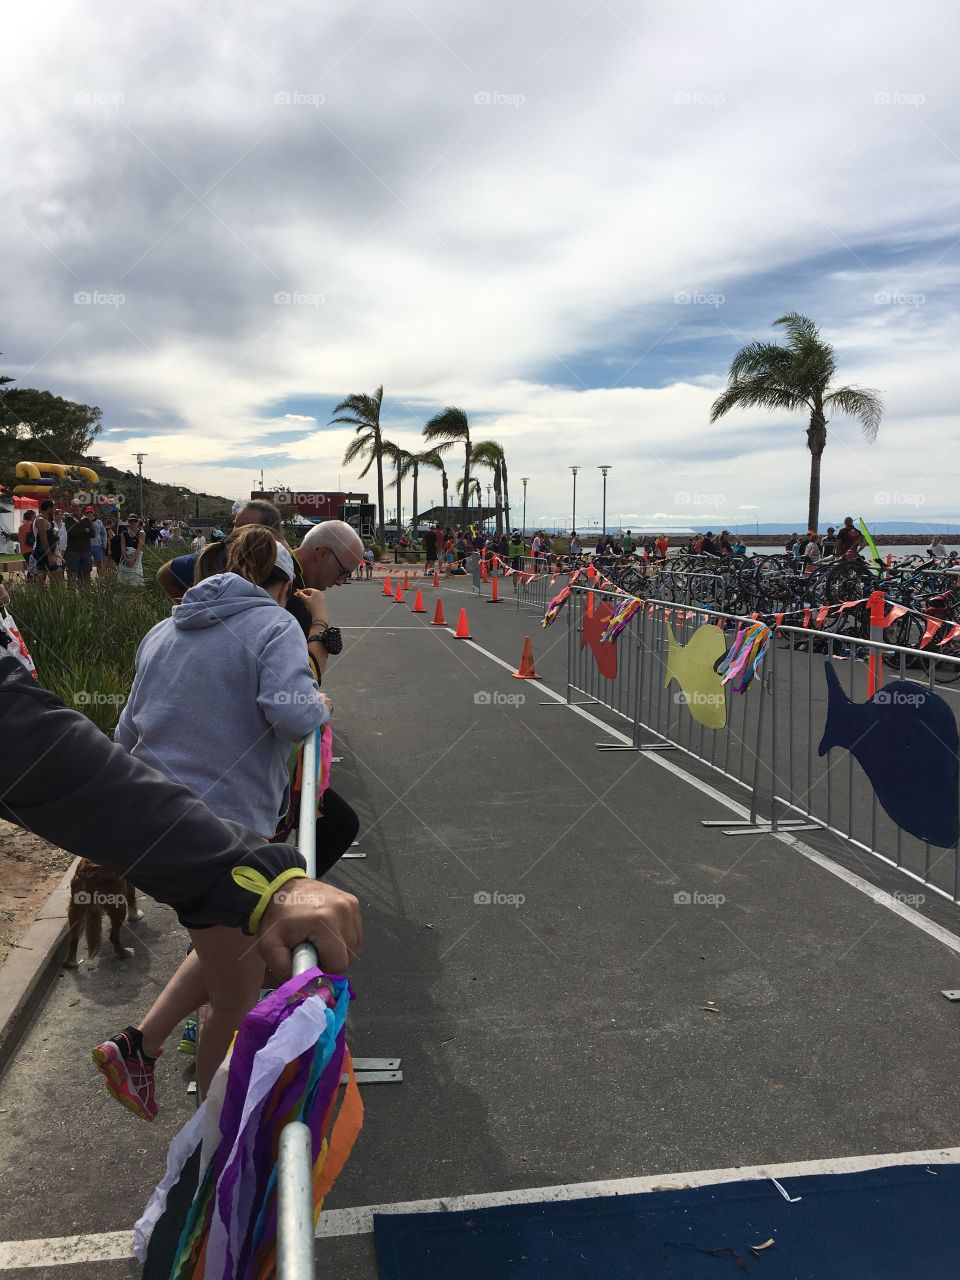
(494, 591)
(418, 605)
(398, 598)
(589, 604)
(406, 579)
(438, 619)
(436, 577)
(463, 627)
(526, 670)
(483, 571)
(387, 586)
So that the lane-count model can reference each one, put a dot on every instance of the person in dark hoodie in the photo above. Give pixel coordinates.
(237, 661)
(163, 839)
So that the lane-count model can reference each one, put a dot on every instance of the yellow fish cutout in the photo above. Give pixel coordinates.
(692, 666)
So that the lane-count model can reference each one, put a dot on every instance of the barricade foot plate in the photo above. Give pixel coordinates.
(614, 746)
(744, 827)
(376, 1071)
(659, 746)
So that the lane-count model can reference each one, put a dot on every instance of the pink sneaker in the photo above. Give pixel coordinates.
(130, 1078)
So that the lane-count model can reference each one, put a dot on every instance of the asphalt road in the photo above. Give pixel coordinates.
(581, 1024)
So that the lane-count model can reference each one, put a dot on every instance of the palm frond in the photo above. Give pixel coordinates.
(357, 447)
(359, 410)
(432, 457)
(759, 357)
(800, 329)
(486, 453)
(756, 393)
(450, 423)
(862, 403)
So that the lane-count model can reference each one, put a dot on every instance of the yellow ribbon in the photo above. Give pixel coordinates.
(254, 881)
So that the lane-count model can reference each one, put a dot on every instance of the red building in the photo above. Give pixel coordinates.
(313, 505)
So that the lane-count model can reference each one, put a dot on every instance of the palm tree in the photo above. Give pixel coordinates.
(506, 490)
(433, 458)
(412, 462)
(798, 376)
(469, 489)
(445, 429)
(399, 457)
(487, 453)
(363, 414)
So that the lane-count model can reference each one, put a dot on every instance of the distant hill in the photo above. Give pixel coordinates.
(159, 499)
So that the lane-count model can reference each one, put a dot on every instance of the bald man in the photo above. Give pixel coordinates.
(329, 554)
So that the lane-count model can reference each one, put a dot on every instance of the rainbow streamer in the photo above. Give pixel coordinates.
(744, 656)
(621, 619)
(554, 607)
(285, 1065)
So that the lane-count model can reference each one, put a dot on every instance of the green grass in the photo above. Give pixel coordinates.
(84, 641)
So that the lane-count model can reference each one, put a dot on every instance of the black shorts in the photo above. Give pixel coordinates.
(42, 564)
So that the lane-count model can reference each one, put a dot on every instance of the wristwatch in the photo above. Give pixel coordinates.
(329, 637)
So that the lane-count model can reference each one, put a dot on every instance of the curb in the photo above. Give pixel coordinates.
(32, 966)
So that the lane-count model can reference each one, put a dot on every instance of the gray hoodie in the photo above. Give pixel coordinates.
(222, 690)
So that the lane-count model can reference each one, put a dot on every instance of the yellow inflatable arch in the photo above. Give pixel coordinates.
(42, 476)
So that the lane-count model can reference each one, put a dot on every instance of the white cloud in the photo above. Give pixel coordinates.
(501, 255)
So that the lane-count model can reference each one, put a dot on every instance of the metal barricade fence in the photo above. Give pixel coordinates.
(295, 1233)
(604, 673)
(835, 790)
(771, 739)
(537, 591)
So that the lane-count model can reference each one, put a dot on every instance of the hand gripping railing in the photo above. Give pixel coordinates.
(295, 1236)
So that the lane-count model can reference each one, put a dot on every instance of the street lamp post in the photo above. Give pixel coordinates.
(488, 506)
(140, 457)
(573, 524)
(524, 479)
(604, 470)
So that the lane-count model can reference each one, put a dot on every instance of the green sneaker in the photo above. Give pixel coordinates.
(188, 1041)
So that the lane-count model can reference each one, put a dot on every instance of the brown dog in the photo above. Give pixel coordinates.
(94, 890)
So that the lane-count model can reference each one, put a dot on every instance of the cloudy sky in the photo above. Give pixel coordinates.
(564, 217)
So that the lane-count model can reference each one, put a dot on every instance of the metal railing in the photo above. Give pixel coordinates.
(537, 591)
(770, 741)
(295, 1233)
(604, 673)
(833, 790)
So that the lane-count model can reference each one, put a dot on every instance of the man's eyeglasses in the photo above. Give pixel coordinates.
(344, 573)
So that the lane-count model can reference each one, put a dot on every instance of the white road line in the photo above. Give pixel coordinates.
(65, 1251)
(886, 900)
(118, 1245)
(346, 1222)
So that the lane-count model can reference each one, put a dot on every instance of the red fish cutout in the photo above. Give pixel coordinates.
(604, 655)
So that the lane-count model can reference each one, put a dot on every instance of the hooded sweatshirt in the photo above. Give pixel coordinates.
(161, 837)
(222, 690)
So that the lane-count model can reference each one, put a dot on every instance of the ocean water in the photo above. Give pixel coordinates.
(917, 549)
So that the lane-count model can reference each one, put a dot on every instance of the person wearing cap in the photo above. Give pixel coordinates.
(233, 659)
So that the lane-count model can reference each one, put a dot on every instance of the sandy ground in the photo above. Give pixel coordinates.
(29, 871)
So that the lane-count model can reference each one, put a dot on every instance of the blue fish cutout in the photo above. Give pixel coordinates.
(906, 741)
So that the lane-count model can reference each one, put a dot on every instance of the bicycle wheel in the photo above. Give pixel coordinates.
(849, 580)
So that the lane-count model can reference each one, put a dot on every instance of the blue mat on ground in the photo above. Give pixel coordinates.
(897, 1223)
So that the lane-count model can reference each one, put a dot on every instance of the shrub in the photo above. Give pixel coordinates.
(84, 642)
